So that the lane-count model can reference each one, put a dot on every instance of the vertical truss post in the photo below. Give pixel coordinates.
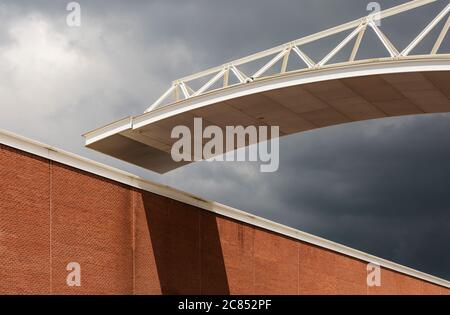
(285, 60)
(177, 93)
(226, 77)
(358, 43)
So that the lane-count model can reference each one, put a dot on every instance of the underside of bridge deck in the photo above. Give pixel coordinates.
(294, 109)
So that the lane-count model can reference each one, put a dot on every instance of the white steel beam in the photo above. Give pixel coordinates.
(426, 30)
(285, 60)
(190, 90)
(441, 37)
(386, 42)
(358, 43)
(226, 77)
(184, 90)
(210, 82)
(268, 65)
(176, 92)
(161, 99)
(309, 62)
(340, 46)
(238, 74)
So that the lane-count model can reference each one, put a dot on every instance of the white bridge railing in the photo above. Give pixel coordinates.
(181, 90)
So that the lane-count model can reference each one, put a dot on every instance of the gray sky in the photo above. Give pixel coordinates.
(378, 186)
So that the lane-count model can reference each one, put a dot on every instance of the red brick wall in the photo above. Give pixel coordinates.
(91, 222)
(24, 223)
(129, 241)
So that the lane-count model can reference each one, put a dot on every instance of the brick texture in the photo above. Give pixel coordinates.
(24, 223)
(129, 241)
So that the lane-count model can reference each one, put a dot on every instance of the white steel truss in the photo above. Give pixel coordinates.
(284, 52)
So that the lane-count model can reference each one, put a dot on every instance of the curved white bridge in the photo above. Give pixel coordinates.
(320, 94)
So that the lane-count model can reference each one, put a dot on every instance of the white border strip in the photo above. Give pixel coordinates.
(78, 162)
(108, 130)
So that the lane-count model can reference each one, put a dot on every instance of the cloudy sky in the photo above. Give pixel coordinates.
(378, 186)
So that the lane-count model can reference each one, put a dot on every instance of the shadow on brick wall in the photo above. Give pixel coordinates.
(186, 247)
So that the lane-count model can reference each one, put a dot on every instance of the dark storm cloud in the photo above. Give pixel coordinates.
(378, 186)
(385, 193)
